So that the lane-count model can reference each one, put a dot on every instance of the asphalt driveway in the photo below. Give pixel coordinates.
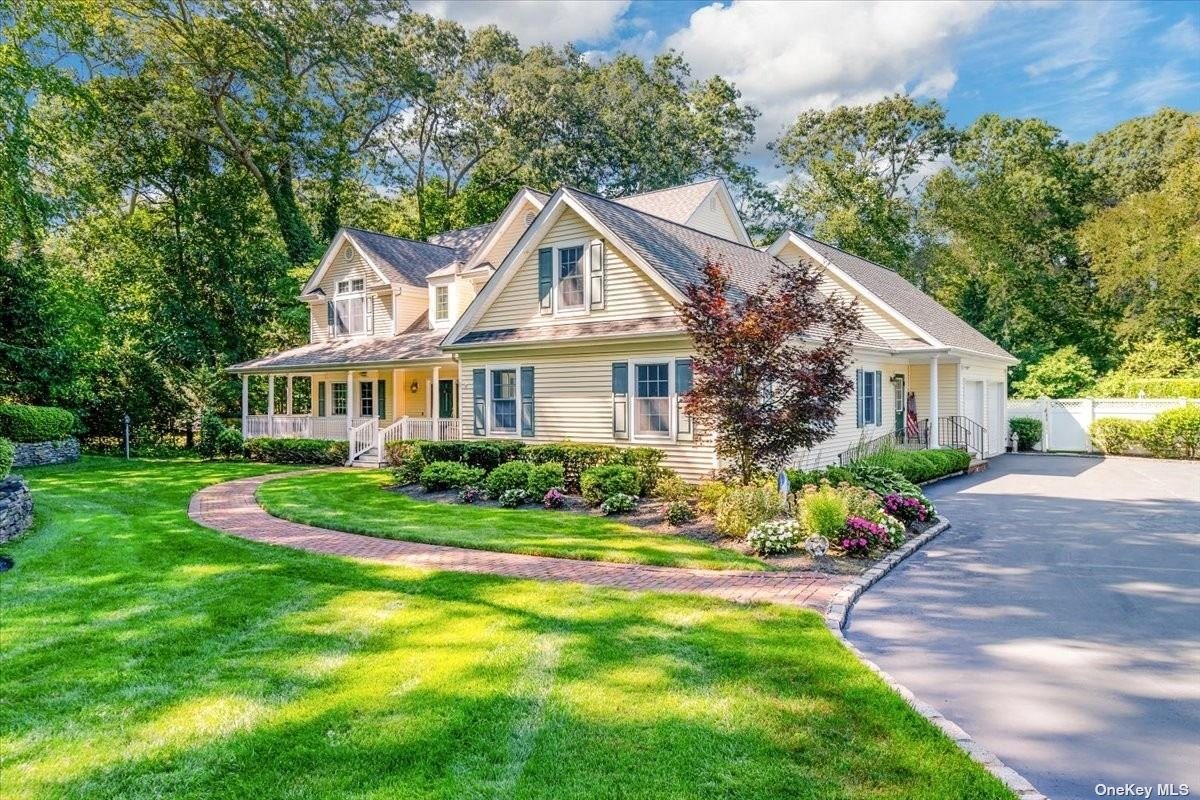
(1058, 620)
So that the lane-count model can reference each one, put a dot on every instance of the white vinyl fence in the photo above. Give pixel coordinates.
(1065, 423)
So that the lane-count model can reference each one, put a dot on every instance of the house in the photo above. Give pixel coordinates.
(559, 321)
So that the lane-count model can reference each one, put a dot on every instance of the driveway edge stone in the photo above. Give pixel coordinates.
(835, 619)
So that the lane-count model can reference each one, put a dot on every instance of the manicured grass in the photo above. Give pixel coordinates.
(143, 656)
(355, 501)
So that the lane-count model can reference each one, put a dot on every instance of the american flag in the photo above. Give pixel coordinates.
(911, 428)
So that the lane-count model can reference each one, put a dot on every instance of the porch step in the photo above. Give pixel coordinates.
(977, 465)
(369, 459)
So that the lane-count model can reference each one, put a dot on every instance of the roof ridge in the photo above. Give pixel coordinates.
(669, 189)
(399, 238)
(847, 252)
(669, 221)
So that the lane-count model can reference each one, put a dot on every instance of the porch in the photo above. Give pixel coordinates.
(366, 408)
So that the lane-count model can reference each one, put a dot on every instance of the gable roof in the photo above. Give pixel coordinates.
(401, 260)
(676, 203)
(675, 251)
(464, 241)
(905, 299)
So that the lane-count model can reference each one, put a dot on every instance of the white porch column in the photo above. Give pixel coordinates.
(349, 403)
(437, 406)
(933, 402)
(245, 405)
(401, 398)
(289, 395)
(271, 405)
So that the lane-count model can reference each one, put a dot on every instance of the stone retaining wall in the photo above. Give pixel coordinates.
(35, 454)
(16, 507)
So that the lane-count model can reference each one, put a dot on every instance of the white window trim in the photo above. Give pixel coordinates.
(672, 400)
(585, 273)
(361, 294)
(862, 407)
(333, 398)
(492, 432)
(446, 319)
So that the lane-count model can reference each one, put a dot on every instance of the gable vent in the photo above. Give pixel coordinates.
(529, 215)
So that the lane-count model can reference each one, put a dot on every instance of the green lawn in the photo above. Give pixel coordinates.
(143, 656)
(354, 501)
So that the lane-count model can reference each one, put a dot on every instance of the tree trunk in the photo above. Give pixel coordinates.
(297, 236)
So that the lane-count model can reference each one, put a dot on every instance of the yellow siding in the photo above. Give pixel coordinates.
(711, 217)
(340, 269)
(499, 249)
(873, 317)
(629, 293)
(573, 395)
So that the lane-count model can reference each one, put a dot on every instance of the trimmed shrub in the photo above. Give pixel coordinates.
(774, 538)
(485, 455)
(680, 512)
(647, 461)
(298, 451)
(229, 443)
(576, 458)
(406, 459)
(439, 475)
(1114, 435)
(743, 507)
(21, 423)
(544, 477)
(822, 511)
(600, 483)
(710, 495)
(1028, 431)
(513, 475)
(1174, 433)
(513, 498)
(1115, 385)
(673, 489)
(7, 454)
(211, 427)
(619, 503)
(920, 465)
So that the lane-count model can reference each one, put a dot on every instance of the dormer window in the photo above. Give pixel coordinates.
(441, 303)
(570, 278)
(349, 309)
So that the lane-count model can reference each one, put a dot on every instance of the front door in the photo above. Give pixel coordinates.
(900, 404)
(446, 399)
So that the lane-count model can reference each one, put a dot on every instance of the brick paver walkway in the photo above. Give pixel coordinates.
(232, 508)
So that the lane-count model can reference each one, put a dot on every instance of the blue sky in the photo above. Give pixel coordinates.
(1081, 66)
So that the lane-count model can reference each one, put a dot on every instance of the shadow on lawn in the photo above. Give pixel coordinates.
(145, 656)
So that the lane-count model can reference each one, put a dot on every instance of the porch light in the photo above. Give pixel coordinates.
(412, 387)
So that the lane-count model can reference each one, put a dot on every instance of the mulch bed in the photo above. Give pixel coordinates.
(650, 514)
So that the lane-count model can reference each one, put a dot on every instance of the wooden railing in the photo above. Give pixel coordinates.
(364, 437)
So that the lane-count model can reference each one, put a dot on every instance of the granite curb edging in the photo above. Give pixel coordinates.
(838, 612)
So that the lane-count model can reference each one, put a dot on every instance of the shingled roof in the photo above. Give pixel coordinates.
(402, 260)
(464, 241)
(416, 344)
(890, 287)
(676, 204)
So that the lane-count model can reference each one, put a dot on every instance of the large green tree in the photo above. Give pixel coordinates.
(855, 171)
(1136, 155)
(1006, 215)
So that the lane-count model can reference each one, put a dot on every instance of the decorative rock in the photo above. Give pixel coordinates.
(816, 545)
(36, 454)
(16, 507)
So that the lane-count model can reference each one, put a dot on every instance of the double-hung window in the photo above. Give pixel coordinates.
(441, 303)
(570, 278)
(366, 399)
(504, 400)
(652, 400)
(349, 308)
(339, 399)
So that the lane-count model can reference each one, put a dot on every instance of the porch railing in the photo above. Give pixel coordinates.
(954, 431)
(364, 437)
(961, 432)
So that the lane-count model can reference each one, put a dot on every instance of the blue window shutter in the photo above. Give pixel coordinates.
(878, 397)
(545, 279)
(527, 426)
(683, 385)
(858, 398)
(620, 392)
(596, 265)
(478, 392)
(320, 398)
(382, 399)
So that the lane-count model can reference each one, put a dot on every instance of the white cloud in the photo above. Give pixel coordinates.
(789, 57)
(1183, 35)
(532, 21)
